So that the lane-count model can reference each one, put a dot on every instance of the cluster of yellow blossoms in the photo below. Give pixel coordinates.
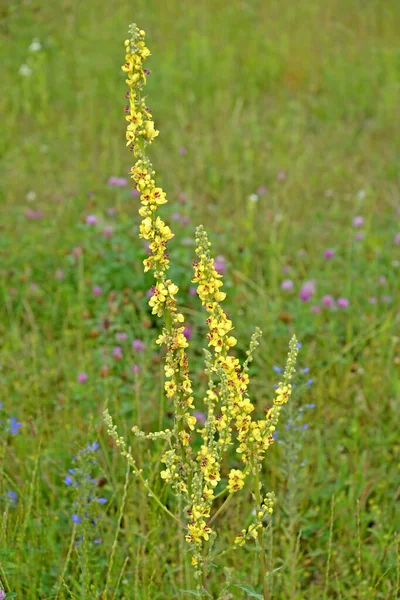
(140, 133)
(196, 476)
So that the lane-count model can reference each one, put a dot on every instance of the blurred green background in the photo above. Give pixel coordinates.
(278, 127)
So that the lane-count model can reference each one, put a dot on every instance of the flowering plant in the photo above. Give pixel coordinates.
(196, 476)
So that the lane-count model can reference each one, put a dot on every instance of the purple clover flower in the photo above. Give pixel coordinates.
(261, 190)
(281, 176)
(121, 336)
(187, 332)
(358, 221)
(97, 290)
(108, 232)
(138, 345)
(220, 264)
(117, 181)
(329, 253)
(328, 301)
(91, 220)
(117, 353)
(82, 378)
(287, 285)
(343, 303)
(201, 417)
(315, 309)
(307, 291)
(34, 215)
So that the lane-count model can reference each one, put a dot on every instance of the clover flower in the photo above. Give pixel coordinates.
(287, 285)
(328, 301)
(329, 253)
(307, 291)
(343, 303)
(138, 346)
(82, 378)
(117, 181)
(117, 353)
(97, 290)
(358, 221)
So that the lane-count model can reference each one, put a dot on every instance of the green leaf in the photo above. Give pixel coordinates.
(251, 592)
(10, 595)
(272, 572)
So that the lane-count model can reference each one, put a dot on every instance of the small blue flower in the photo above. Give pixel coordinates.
(277, 369)
(275, 435)
(68, 480)
(309, 381)
(76, 518)
(305, 426)
(102, 500)
(92, 447)
(13, 497)
(14, 426)
(306, 370)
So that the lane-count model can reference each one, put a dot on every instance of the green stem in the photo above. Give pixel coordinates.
(221, 508)
(153, 495)
(264, 568)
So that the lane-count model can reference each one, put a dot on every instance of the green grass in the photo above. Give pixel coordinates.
(250, 89)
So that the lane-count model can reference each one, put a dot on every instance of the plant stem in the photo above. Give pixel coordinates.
(264, 569)
(221, 508)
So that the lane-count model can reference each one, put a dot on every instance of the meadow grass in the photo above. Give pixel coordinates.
(294, 102)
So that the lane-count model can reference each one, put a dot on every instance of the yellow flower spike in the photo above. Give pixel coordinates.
(195, 476)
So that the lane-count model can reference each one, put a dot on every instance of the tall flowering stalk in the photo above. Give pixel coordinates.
(197, 476)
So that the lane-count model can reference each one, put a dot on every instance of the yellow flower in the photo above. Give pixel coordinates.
(191, 421)
(151, 133)
(282, 394)
(236, 480)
